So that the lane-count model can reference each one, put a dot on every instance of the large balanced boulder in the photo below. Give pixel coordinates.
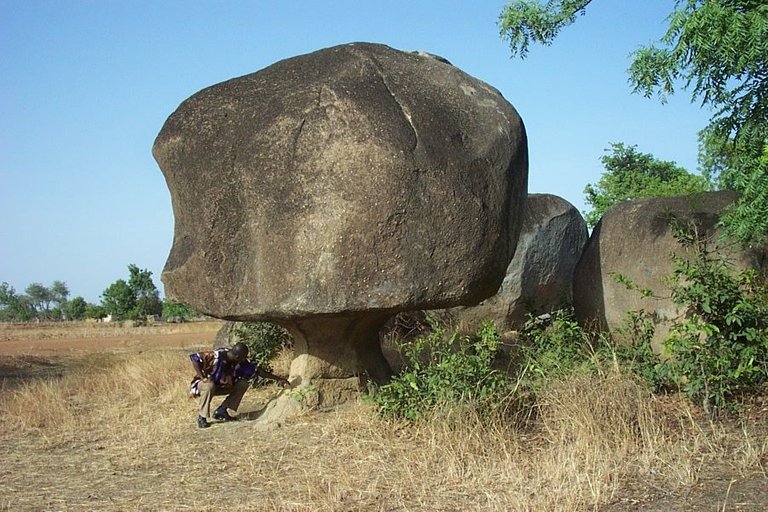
(631, 249)
(540, 276)
(330, 190)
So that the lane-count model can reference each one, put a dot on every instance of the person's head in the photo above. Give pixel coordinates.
(239, 352)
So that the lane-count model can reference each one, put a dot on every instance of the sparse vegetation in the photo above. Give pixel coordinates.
(719, 349)
(445, 370)
(116, 432)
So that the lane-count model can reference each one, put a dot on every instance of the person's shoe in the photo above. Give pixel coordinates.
(202, 422)
(222, 415)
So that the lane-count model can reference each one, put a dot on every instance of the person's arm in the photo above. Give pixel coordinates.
(269, 375)
(197, 365)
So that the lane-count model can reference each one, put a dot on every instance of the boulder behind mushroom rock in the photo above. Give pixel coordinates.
(351, 179)
(540, 276)
(635, 239)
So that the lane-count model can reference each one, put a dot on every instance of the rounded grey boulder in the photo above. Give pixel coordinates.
(540, 276)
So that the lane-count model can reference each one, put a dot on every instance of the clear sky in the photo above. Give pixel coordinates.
(85, 86)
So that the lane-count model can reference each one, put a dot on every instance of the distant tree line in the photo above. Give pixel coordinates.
(135, 299)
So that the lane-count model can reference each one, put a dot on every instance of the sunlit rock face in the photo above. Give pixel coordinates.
(330, 190)
(634, 243)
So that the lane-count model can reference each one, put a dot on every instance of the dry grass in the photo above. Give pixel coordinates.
(89, 329)
(118, 433)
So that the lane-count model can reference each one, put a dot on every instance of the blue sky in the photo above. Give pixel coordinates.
(85, 86)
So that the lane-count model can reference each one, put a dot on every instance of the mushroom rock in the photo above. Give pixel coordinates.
(331, 190)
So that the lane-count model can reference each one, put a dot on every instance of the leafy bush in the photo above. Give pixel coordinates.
(445, 369)
(264, 340)
(721, 346)
(178, 312)
(555, 346)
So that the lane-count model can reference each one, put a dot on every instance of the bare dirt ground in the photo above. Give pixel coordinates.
(47, 350)
(127, 441)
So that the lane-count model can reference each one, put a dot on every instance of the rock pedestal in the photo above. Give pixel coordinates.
(331, 190)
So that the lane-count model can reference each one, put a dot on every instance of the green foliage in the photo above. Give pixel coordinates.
(75, 309)
(747, 220)
(178, 311)
(523, 21)
(41, 298)
(135, 299)
(714, 48)
(145, 293)
(630, 284)
(38, 301)
(718, 49)
(264, 340)
(721, 347)
(95, 311)
(118, 300)
(630, 174)
(14, 307)
(555, 346)
(59, 293)
(445, 370)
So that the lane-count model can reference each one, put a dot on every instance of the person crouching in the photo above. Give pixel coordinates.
(224, 371)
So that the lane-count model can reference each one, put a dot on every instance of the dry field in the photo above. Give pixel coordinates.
(110, 428)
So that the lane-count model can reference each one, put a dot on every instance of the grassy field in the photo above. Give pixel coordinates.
(114, 431)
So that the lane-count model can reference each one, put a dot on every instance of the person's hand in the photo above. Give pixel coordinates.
(285, 382)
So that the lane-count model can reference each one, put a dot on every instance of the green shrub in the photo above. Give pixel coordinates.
(444, 370)
(634, 351)
(555, 346)
(720, 348)
(264, 340)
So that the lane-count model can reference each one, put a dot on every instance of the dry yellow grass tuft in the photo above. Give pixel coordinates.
(118, 433)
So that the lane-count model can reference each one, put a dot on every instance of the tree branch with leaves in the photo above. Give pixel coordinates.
(717, 49)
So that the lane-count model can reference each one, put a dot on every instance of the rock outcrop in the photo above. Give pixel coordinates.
(635, 240)
(540, 276)
(330, 190)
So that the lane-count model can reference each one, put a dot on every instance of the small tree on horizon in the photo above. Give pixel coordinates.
(630, 174)
(135, 299)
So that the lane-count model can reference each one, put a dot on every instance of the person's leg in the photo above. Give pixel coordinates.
(233, 399)
(207, 392)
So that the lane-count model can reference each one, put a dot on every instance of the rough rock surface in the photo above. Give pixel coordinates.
(540, 276)
(330, 190)
(635, 239)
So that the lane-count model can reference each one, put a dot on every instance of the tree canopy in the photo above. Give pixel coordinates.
(717, 49)
(630, 174)
(135, 299)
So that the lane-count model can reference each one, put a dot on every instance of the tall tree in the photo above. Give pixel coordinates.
(147, 296)
(118, 300)
(135, 299)
(717, 49)
(14, 307)
(75, 309)
(59, 293)
(630, 174)
(41, 298)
